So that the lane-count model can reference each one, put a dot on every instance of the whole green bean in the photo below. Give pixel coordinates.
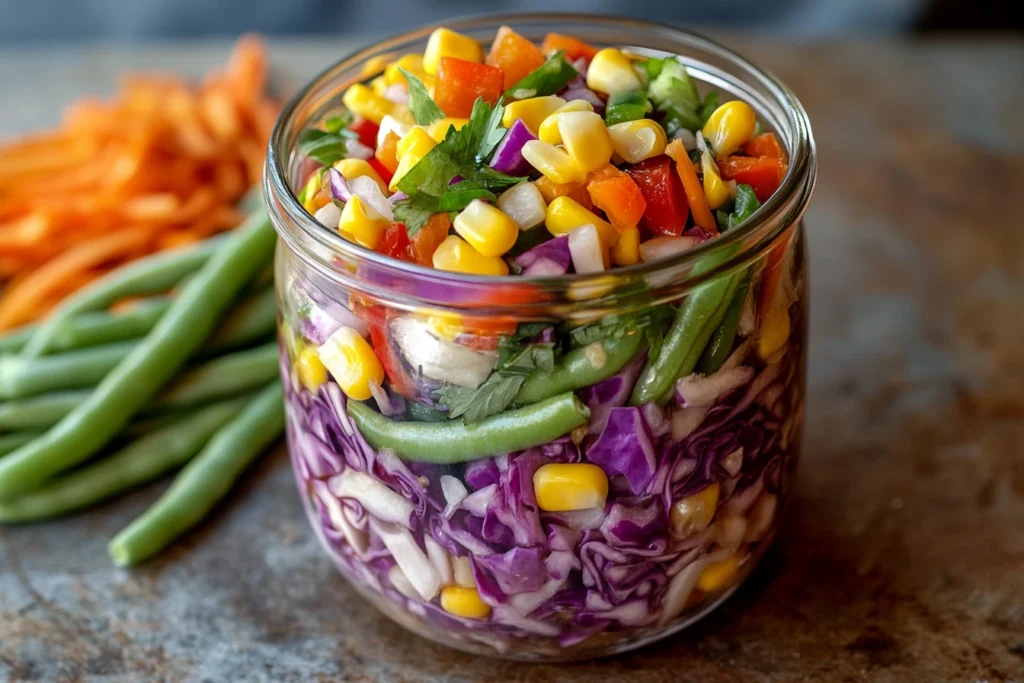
(204, 481)
(224, 376)
(252, 319)
(456, 441)
(93, 328)
(8, 442)
(697, 317)
(180, 332)
(720, 345)
(141, 461)
(581, 367)
(21, 377)
(39, 412)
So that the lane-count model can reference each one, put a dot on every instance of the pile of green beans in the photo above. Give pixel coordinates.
(184, 378)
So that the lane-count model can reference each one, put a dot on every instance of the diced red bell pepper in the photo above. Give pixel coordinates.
(383, 171)
(401, 382)
(395, 243)
(667, 208)
(459, 83)
(764, 145)
(763, 174)
(574, 48)
(514, 55)
(620, 199)
(366, 130)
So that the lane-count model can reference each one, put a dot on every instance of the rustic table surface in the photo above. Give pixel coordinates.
(902, 557)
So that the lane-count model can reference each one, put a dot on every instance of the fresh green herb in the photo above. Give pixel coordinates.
(424, 110)
(743, 207)
(618, 325)
(547, 79)
(334, 124)
(673, 91)
(415, 211)
(490, 398)
(522, 360)
(627, 106)
(722, 219)
(461, 194)
(323, 146)
(708, 107)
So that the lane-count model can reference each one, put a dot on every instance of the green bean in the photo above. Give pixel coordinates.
(204, 481)
(93, 328)
(455, 441)
(224, 376)
(141, 461)
(252, 319)
(697, 317)
(180, 332)
(39, 412)
(720, 345)
(151, 275)
(21, 377)
(8, 442)
(581, 367)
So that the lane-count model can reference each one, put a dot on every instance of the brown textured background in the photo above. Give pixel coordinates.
(902, 557)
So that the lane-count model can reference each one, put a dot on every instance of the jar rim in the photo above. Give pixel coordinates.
(746, 241)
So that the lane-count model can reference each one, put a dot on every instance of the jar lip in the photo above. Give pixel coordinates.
(755, 232)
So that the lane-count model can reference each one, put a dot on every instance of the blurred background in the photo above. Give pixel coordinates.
(128, 20)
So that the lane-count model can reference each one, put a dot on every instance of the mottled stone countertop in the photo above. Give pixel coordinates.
(902, 558)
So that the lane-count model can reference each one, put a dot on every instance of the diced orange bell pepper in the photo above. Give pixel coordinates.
(514, 55)
(459, 83)
(604, 173)
(427, 239)
(620, 199)
(577, 191)
(387, 153)
(764, 145)
(763, 174)
(694, 190)
(573, 48)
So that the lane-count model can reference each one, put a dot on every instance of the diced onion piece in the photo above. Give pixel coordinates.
(463, 572)
(658, 248)
(454, 493)
(729, 531)
(416, 566)
(378, 499)
(440, 558)
(401, 583)
(389, 124)
(524, 204)
(439, 358)
(679, 591)
(588, 253)
(369, 192)
(761, 518)
(357, 150)
(329, 214)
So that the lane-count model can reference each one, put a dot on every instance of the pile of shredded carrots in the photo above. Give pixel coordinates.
(161, 164)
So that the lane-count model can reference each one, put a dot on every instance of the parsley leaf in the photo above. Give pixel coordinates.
(462, 193)
(334, 124)
(619, 324)
(547, 79)
(416, 211)
(490, 398)
(424, 110)
(323, 146)
(522, 360)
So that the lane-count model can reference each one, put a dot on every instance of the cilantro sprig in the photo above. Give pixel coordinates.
(328, 145)
(422, 107)
(547, 79)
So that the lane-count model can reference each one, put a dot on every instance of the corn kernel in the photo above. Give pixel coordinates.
(637, 140)
(361, 224)
(454, 254)
(350, 169)
(532, 111)
(374, 65)
(351, 362)
(445, 326)
(564, 214)
(553, 162)
(718, 574)
(585, 139)
(694, 513)
(361, 100)
(715, 190)
(610, 72)
(447, 43)
(439, 129)
(464, 602)
(774, 331)
(389, 124)
(523, 203)
(310, 369)
(729, 126)
(561, 487)
(626, 251)
(379, 85)
(486, 228)
(411, 63)
(312, 199)
(416, 142)
(548, 130)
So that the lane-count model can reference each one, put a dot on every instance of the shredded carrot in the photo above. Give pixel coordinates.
(691, 185)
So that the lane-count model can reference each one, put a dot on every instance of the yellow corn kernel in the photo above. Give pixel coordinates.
(610, 72)
(637, 140)
(565, 213)
(486, 228)
(626, 251)
(312, 198)
(730, 126)
(531, 111)
(457, 256)
(585, 139)
(379, 85)
(362, 100)
(310, 369)
(400, 112)
(411, 63)
(561, 487)
(361, 224)
(715, 189)
(464, 602)
(718, 574)
(416, 142)
(445, 325)
(350, 169)
(553, 162)
(351, 362)
(774, 331)
(447, 43)
(374, 65)
(548, 130)
(438, 129)
(694, 513)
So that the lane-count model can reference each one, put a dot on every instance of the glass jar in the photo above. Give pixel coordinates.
(474, 554)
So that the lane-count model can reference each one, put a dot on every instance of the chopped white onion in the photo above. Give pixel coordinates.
(688, 139)
(476, 503)
(729, 531)
(524, 204)
(761, 518)
(439, 358)
(733, 462)
(357, 150)
(389, 124)
(454, 493)
(379, 500)
(401, 583)
(679, 591)
(440, 558)
(463, 572)
(658, 248)
(586, 249)
(397, 93)
(416, 566)
(699, 390)
(737, 357)
(369, 192)
(356, 538)
(685, 420)
(328, 215)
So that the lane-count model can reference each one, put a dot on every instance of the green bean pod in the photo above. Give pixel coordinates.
(225, 376)
(454, 441)
(93, 328)
(581, 367)
(39, 412)
(9, 442)
(21, 377)
(720, 345)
